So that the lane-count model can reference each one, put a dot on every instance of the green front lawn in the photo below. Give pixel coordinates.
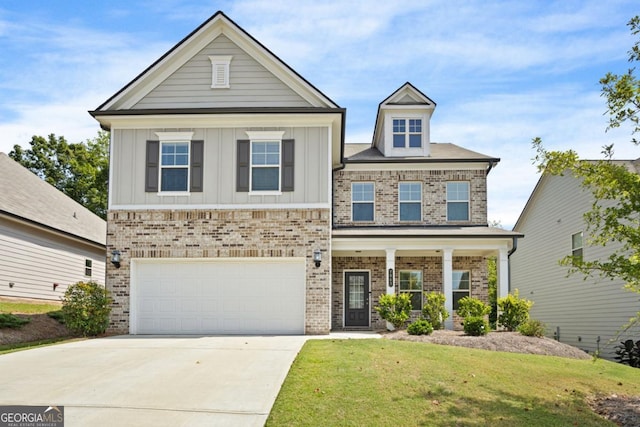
(20, 307)
(398, 383)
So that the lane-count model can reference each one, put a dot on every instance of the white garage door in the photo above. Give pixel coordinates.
(254, 296)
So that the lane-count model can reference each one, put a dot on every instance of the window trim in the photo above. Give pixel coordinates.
(407, 132)
(220, 63)
(421, 290)
(265, 136)
(174, 138)
(400, 201)
(88, 267)
(373, 202)
(453, 290)
(580, 248)
(467, 201)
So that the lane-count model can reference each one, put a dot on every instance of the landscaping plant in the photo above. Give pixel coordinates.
(514, 311)
(433, 310)
(420, 327)
(395, 309)
(8, 320)
(475, 326)
(472, 307)
(86, 308)
(532, 328)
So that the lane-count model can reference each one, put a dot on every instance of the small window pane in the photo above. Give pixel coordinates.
(460, 280)
(457, 296)
(174, 179)
(458, 211)
(265, 179)
(362, 192)
(411, 282)
(415, 141)
(457, 191)
(415, 125)
(398, 140)
(175, 154)
(576, 240)
(356, 292)
(398, 125)
(410, 212)
(363, 211)
(88, 267)
(410, 191)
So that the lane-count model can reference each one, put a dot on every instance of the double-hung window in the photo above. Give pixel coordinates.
(461, 286)
(411, 283)
(576, 246)
(457, 201)
(88, 267)
(410, 199)
(362, 196)
(174, 166)
(407, 133)
(265, 165)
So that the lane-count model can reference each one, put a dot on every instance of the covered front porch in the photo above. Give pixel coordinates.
(367, 263)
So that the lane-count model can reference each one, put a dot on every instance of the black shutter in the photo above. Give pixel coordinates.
(151, 167)
(197, 154)
(288, 156)
(243, 165)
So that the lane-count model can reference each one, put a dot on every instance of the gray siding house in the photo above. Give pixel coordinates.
(584, 313)
(237, 207)
(47, 240)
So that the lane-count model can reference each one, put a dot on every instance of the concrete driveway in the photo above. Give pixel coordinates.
(153, 381)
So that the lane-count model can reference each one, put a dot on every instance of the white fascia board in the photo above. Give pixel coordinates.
(220, 120)
(427, 244)
(423, 166)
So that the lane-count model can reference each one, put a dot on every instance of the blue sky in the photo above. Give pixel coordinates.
(501, 72)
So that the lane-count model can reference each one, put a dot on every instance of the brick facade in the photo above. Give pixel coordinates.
(434, 195)
(431, 268)
(220, 234)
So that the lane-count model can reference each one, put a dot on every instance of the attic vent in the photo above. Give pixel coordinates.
(220, 71)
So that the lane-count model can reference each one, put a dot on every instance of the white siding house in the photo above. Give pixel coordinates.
(587, 314)
(47, 240)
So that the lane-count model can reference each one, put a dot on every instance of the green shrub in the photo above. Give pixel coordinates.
(472, 307)
(86, 308)
(57, 315)
(12, 321)
(433, 309)
(532, 328)
(475, 326)
(395, 309)
(515, 311)
(628, 352)
(420, 327)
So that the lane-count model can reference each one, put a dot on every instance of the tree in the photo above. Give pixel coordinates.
(80, 171)
(614, 214)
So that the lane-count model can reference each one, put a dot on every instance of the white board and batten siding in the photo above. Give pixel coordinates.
(312, 169)
(581, 309)
(251, 84)
(220, 296)
(32, 260)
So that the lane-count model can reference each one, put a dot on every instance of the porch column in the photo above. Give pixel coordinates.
(502, 267)
(447, 285)
(391, 271)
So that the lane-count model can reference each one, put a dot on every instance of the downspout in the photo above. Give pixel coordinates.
(491, 164)
(513, 249)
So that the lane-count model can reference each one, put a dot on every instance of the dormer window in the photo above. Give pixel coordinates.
(220, 71)
(407, 133)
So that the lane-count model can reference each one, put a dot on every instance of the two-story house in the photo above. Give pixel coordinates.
(236, 207)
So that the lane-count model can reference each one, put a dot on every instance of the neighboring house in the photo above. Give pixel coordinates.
(48, 241)
(236, 207)
(584, 313)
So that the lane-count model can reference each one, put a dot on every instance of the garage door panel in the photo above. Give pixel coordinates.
(252, 296)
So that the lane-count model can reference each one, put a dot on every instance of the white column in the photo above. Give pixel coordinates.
(390, 274)
(502, 265)
(447, 285)
(391, 266)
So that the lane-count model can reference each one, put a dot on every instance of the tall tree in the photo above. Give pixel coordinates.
(615, 212)
(80, 171)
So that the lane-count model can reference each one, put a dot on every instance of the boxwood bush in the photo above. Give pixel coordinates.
(475, 326)
(420, 327)
(85, 308)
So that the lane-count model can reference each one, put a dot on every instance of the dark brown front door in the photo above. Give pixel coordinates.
(356, 298)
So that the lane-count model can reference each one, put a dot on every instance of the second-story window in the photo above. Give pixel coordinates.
(410, 199)
(576, 246)
(362, 201)
(265, 166)
(407, 133)
(457, 201)
(174, 166)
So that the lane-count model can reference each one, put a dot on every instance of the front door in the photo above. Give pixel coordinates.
(356, 298)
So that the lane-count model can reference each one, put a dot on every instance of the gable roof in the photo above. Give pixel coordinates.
(26, 197)
(631, 165)
(407, 94)
(172, 60)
